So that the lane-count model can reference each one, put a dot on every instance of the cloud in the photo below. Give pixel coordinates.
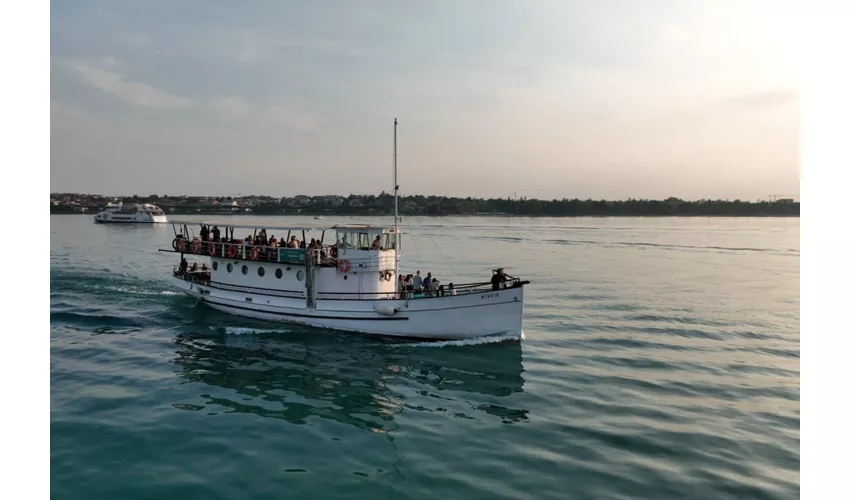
(234, 105)
(103, 74)
(138, 93)
(767, 98)
(292, 117)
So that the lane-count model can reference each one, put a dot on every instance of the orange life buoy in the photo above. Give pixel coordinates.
(196, 246)
(211, 249)
(232, 251)
(343, 265)
(253, 253)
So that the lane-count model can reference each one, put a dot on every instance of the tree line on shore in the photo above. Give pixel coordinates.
(441, 206)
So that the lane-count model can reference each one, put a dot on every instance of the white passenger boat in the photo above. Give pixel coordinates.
(349, 282)
(130, 214)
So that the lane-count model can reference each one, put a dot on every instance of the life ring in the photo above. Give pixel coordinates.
(211, 249)
(253, 253)
(177, 244)
(232, 251)
(196, 246)
(343, 265)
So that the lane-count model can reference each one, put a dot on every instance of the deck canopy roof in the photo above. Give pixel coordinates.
(343, 228)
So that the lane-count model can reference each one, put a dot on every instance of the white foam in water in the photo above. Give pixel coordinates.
(467, 342)
(138, 291)
(239, 330)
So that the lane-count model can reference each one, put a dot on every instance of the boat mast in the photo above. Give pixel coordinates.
(395, 216)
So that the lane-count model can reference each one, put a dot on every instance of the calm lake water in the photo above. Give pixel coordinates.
(661, 359)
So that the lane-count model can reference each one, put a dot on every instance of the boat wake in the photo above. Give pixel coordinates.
(242, 330)
(492, 339)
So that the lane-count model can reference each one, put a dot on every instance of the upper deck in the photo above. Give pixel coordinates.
(258, 225)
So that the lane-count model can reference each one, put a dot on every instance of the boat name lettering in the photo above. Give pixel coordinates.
(489, 296)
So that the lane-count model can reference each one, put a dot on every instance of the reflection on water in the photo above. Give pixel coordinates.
(349, 379)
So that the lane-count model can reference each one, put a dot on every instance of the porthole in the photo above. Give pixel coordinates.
(261, 271)
(229, 267)
(244, 269)
(300, 275)
(278, 273)
(215, 265)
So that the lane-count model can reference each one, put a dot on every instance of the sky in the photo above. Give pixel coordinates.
(610, 99)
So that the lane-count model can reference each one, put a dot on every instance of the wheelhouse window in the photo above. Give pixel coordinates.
(363, 241)
(353, 241)
(389, 241)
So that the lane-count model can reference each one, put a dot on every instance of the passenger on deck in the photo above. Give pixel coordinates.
(293, 242)
(426, 285)
(441, 291)
(402, 285)
(452, 290)
(435, 287)
(184, 265)
(417, 283)
(204, 266)
(273, 242)
(498, 278)
(194, 267)
(216, 234)
(376, 245)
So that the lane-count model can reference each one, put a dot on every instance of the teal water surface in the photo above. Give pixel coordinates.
(660, 360)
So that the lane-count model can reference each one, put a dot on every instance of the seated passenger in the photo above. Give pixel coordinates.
(452, 290)
(376, 245)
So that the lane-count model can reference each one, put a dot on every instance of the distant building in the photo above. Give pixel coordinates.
(785, 201)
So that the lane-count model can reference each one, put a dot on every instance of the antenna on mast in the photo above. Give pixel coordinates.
(395, 189)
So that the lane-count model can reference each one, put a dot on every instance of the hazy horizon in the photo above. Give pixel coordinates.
(604, 100)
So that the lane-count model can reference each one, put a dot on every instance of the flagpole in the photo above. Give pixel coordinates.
(395, 183)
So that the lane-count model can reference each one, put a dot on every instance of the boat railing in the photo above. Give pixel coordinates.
(462, 289)
(201, 276)
(238, 250)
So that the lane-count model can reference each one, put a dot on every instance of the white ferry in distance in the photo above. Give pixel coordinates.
(347, 280)
(131, 214)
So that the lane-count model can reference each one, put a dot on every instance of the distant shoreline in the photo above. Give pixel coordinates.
(212, 216)
(432, 206)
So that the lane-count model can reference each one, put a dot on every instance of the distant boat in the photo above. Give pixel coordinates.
(318, 217)
(131, 214)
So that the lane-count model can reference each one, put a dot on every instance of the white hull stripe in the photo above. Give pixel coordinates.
(297, 315)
